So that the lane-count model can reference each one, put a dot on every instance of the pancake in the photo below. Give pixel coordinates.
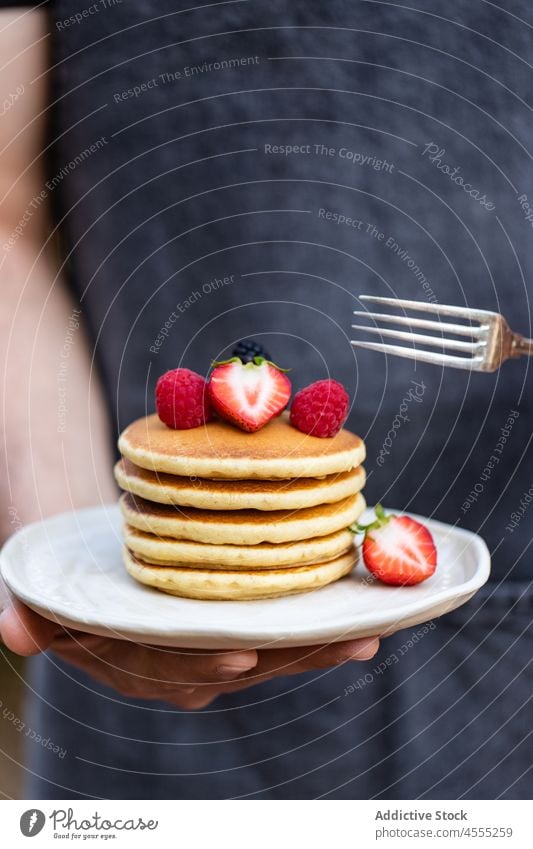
(237, 494)
(209, 584)
(240, 527)
(265, 555)
(220, 450)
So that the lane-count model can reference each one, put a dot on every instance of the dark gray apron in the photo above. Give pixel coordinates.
(228, 143)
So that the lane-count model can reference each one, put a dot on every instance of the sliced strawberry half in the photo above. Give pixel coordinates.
(248, 395)
(397, 549)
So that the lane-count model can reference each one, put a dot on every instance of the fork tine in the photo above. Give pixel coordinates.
(422, 306)
(425, 324)
(470, 363)
(422, 339)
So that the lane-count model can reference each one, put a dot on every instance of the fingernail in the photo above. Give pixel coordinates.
(363, 649)
(187, 691)
(231, 670)
(4, 619)
(231, 667)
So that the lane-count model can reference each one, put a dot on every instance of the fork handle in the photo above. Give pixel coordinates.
(521, 346)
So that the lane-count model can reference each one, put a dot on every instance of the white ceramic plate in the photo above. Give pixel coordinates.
(69, 569)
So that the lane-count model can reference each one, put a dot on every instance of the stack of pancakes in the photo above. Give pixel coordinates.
(216, 513)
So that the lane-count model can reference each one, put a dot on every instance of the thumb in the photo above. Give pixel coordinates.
(24, 632)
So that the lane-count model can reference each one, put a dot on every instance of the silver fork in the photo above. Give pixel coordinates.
(492, 340)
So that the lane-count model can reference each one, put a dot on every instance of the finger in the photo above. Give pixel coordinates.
(132, 689)
(274, 663)
(201, 668)
(24, 632)
(151, 669)
(119, 664)
(277, 662)
(198, 700)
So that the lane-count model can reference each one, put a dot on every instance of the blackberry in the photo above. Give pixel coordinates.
(247, 349)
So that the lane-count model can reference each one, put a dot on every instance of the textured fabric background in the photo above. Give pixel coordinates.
(179, 192)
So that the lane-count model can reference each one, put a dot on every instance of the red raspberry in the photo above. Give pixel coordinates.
(181, 399)
(321, 408)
